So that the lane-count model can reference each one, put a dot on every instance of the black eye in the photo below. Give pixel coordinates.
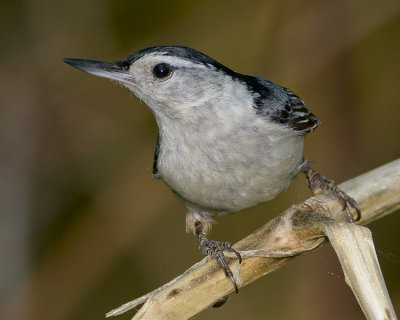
(162, 70)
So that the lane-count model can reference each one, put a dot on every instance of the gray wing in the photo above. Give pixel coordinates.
(281, 105)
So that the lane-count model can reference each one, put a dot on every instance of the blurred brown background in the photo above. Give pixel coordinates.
(84, 227)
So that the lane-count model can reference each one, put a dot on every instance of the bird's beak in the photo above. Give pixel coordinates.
(113, 71)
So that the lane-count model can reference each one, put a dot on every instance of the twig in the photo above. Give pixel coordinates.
(354, 246)
(300, 229)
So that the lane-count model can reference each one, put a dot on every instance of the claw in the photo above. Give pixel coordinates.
(353, 203)
(349, 217)
(317, 183)
(216, 250)
(228, 272)
(237, 253)
(347, 203)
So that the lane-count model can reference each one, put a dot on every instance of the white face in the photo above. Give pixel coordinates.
(172, 85)
(175, 87)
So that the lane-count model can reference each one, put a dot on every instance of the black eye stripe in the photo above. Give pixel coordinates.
(162, 70)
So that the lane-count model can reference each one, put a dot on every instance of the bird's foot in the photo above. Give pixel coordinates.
(216, 250)
(318, 183)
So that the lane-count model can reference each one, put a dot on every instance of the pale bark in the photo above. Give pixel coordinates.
(300, 229)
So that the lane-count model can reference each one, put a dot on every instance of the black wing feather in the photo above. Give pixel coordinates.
(299, 117)
(280, 105)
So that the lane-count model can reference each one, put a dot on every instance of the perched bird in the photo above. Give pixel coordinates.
(227, 141)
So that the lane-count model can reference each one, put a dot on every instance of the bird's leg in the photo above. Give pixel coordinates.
(318, 183)
(216, 250)
(200, 224)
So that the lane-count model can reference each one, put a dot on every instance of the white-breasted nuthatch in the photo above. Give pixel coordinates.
(226, 141)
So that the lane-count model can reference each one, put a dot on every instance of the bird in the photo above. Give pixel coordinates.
(226, 142)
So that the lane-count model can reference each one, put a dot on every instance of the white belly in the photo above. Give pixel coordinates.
(232, 173)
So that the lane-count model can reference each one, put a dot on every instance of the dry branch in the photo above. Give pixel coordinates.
(300, 229)
(355, 249)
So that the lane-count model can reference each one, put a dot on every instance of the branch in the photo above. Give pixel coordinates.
(300, 229)
(356, 252)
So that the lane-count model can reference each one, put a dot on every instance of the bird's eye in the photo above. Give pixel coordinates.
(162, 70)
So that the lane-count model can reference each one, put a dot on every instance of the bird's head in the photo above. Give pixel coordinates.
(171, 80)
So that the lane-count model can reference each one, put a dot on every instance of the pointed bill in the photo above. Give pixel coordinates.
(113, 71)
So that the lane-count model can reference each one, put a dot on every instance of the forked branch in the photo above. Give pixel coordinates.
(300, 229)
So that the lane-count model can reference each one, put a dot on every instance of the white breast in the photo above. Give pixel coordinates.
(226, 166)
